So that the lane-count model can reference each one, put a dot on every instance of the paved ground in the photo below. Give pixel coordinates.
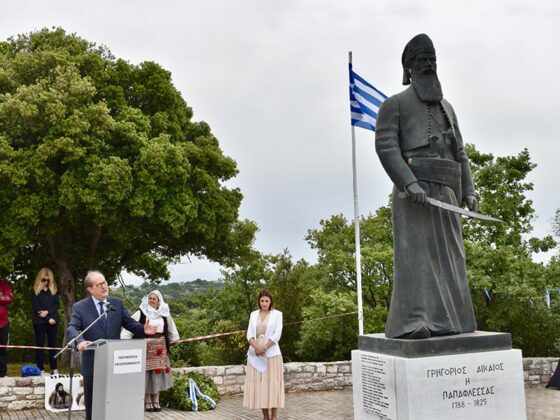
(542, 404)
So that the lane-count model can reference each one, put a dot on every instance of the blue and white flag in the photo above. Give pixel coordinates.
(365, 101)
(194, 393)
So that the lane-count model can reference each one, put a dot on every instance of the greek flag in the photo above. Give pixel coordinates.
(365, 101)
(194, 393)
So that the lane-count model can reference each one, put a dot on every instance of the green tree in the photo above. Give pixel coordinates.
(499, 256)
(326, 336)
(102, 167)
(507, 285)
(291, 284)
(335, 246)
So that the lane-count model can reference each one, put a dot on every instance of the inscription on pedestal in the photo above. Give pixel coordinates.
(378, 389)
(486, 385)
(468, 386)
(483, 386)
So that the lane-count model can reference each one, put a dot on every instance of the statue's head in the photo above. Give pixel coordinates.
(415, 54)
(419, 66)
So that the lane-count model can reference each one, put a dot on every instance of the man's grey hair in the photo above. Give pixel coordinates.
(90, 275)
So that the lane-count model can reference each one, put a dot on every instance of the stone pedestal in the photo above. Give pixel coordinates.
(475, 376)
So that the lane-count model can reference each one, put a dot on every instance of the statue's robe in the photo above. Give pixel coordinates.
(430, 287)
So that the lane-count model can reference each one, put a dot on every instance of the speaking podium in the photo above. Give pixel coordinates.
(119, 379)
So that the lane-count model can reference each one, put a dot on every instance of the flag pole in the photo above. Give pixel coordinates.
(357, 228)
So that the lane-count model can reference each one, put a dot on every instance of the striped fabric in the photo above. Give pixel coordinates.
(365, 101)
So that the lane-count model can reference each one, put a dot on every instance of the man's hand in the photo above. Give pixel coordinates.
(52, 321)
(83, 345)
(149, 329)
(472, 203)
(416, 193)
(43, 314)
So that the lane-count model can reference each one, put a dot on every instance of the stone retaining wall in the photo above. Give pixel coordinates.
(538, 370)
(297, 376)
(21, 393)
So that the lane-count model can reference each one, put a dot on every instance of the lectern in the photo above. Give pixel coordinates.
(119, 379)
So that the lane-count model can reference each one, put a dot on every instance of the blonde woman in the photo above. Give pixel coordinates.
(45, 303)
(264, 380)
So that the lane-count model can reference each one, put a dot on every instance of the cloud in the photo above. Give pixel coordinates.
(271, 79)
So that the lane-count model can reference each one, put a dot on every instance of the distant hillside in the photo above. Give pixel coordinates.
(170, 291)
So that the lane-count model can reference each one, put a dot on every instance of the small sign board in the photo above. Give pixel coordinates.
(127, 361)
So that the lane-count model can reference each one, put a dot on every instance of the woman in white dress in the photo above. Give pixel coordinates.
(155, 311)
(264, 380)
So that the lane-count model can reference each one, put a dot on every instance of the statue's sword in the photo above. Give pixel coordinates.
(455, 209)
(459, 210)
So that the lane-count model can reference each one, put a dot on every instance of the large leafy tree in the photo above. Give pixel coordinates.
(334, 243)
(330, 337)
(291, 284)
(101, 167)
(508, 285)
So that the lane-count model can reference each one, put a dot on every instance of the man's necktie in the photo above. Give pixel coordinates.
(103, 319)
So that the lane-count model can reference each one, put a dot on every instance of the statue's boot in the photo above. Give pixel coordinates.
(418, 334)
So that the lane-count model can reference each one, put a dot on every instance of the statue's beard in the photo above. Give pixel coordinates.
(427, 86)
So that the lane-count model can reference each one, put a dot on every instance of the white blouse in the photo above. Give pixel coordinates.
(158, 323)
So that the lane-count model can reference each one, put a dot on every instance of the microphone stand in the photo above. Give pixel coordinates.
(70, 346)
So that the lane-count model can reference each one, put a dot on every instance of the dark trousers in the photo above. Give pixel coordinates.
(88, 395)
(51, 331)
(4, 335)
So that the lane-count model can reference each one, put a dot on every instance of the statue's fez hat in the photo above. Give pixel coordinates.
(419, 44)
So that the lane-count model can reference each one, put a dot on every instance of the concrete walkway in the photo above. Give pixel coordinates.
(542, 404)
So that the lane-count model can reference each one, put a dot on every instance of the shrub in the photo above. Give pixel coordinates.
(178, 396)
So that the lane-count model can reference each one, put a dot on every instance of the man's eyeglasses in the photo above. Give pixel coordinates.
(100, 285)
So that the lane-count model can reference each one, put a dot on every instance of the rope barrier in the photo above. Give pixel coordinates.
(29, 347)
(204, 337)
(191, 339)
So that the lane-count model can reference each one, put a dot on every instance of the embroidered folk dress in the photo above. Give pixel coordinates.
(157, 380)
(266, 389)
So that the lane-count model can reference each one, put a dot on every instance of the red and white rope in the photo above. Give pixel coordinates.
(186, 340)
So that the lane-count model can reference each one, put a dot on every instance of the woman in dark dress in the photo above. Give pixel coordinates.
(554, 382)
(45, 303)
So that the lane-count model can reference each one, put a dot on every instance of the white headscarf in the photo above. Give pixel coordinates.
(152, 313)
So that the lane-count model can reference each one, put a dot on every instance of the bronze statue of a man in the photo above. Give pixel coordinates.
(420, 147)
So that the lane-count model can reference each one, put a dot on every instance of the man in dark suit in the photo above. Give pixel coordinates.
(85, 312)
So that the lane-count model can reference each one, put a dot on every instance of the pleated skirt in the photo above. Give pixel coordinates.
(265, 390)
(157, 382)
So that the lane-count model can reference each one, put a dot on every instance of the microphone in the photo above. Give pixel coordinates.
(110, 307)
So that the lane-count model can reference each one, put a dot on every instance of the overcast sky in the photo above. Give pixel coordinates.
(271, 79)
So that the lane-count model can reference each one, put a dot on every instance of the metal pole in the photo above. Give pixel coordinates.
(358, 252)
(71, 374)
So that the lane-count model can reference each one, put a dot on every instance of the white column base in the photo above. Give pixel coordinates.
(471, 386)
